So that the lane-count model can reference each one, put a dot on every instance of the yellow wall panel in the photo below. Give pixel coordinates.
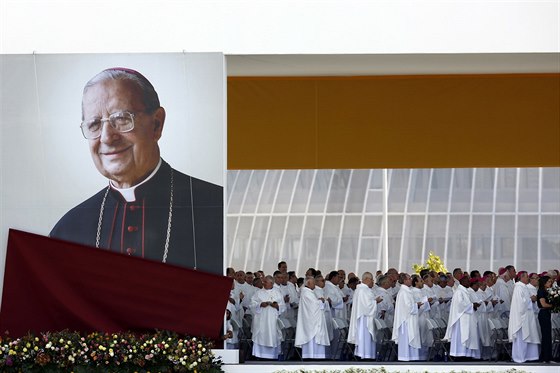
(394, 122)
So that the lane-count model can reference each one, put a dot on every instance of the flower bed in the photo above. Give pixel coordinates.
(116, 352)
(554, 298)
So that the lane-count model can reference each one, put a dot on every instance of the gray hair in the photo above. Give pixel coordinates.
(383, 280)
(308, 279)
(367, 275)
(150, 97)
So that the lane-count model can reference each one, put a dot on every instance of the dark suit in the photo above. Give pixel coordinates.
(139, 228)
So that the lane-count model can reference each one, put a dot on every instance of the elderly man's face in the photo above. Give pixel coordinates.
(267, 283)
(126, 158)
(240, 277)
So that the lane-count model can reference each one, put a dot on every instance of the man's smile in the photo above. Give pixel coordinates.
(115, 152)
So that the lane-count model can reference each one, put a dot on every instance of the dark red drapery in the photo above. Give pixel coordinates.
(51, 285)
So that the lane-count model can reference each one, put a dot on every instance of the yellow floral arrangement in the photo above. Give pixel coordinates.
(434, 263)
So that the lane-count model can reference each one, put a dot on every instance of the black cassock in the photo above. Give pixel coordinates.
(140, 228)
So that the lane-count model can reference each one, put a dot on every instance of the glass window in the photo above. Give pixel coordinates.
(484, 190)
(262, 231)
(376, 179)
(320, 190)
(462, 189)
(505, 194)
(457, 244)
(550, 241)
(358, 189)
(481, 243)
(291, 251)
(413, 242)
(529, 190)
(527, 242)
(241, 242)
(269, 190)
(375, 201)
(435, 236)
(394, 226)
(274, 237)
(349, 242)
(419, 190)
(253, 191)
(256, 243)
(337, 194)
(398, 186)
(504, 240)
(238, 192)
(329, 241)
(439, 197)
(310, 243)
(372, 226)
(551, 190)
(302, 190)
(285, 191)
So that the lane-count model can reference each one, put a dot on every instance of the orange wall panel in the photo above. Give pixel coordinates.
(394, 121)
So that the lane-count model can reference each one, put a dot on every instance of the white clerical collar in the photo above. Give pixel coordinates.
(128, 193)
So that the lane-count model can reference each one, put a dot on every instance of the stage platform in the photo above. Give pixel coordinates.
(326, 366)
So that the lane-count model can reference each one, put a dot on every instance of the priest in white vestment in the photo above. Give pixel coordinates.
(280, 279)
(462, 328)
(485, 295)
(320, 293)
(231, 338)
(336, 299)
(502, 293)
(311, 332)
(361, 331)
(386, 308)
(523, 330)
(533, 287)
(431, 291)
(426, 337)
(478, 296)
(406, 332)
(244, 290)
(267, 305)
(445, 294)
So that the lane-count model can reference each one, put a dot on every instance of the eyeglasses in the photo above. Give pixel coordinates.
(122, 121)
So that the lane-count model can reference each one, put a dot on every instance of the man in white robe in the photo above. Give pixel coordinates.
(361, 331)
(231, 338)
(244, 290)
(395, 286)
(477, 296)
(386, 308)
(234, 304)
(335, 295)
(462, 329)
(336, 300)
(430, 292)
(501, 292)
(311, 332)
(457, 275)
(445, 295)
(280, 284)
(533, 287)
(426, 337)
(406, 331)
(267, 305)
(523, 330)
(320, 293)
(485, 298)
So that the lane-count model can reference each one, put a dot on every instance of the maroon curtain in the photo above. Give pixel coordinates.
(51, 285)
